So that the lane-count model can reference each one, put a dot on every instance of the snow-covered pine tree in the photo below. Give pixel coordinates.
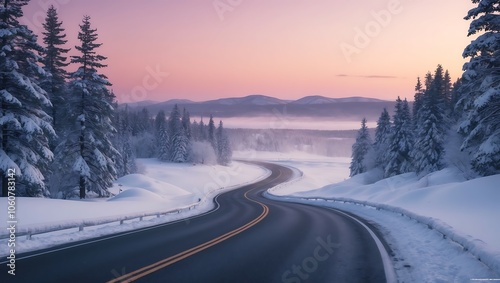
(438, 85)
(418, 102)
(428, 152)
(55, 61)
(211, 133)
(428, 80)
(24, 125)
(202, 131)
(447, 89)
(125, 164)
(224, 152)
(142, 122)
(179, 143)
(360, 149)
(399, 160)
(195, 131)
(143, 139)
(481, 101)
(186, 123)
(162, 137)
(86, 154)
(180, 147)
(382, 139)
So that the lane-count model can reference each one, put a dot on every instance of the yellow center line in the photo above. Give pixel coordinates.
(139, 273)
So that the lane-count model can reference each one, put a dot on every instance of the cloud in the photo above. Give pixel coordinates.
(368, 76)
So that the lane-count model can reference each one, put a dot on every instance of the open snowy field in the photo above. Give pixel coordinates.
(466, 210)
(159, 187)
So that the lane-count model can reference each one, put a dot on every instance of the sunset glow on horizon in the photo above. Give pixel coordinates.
(206, 49)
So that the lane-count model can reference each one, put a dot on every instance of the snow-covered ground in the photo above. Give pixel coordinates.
(159, 187)
(467, 211)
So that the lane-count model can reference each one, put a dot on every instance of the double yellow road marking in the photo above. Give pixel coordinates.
(139, 273)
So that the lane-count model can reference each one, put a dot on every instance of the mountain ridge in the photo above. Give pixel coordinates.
(352, 108)
(259, 99)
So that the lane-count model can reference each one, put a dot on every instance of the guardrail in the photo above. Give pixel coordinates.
(81, 224)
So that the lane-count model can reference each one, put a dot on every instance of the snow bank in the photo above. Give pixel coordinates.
(144, 182)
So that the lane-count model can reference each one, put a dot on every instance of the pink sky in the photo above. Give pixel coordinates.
(282, 48)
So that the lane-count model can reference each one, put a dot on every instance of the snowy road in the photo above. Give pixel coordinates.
(248, 238)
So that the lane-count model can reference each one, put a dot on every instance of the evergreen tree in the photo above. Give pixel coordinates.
(447, 89)
(360, 149)
(202, 131)
(160, 122)
(142, 122)
(481, 101)
(437, 85)
(179, 143)
(126, 162)
(86, 154)
(180, 147)
(54, 62)
(428, 80)
(224, 152)
(186, 123)
(382, 139)
(418, 101)
(24, 125)
(162, 137)
(428, 152)
(195, 131)
(164, 144)
(211, 133)
(399, 160)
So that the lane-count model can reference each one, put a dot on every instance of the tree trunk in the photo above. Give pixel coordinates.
(4, 183)
(82, 187)
(82, 178)
(3, 174)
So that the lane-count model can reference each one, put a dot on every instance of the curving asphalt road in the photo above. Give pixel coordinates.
(248, 238)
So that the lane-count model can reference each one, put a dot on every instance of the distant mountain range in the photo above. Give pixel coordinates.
(248, 100)
(317, 99)
(261, 105)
